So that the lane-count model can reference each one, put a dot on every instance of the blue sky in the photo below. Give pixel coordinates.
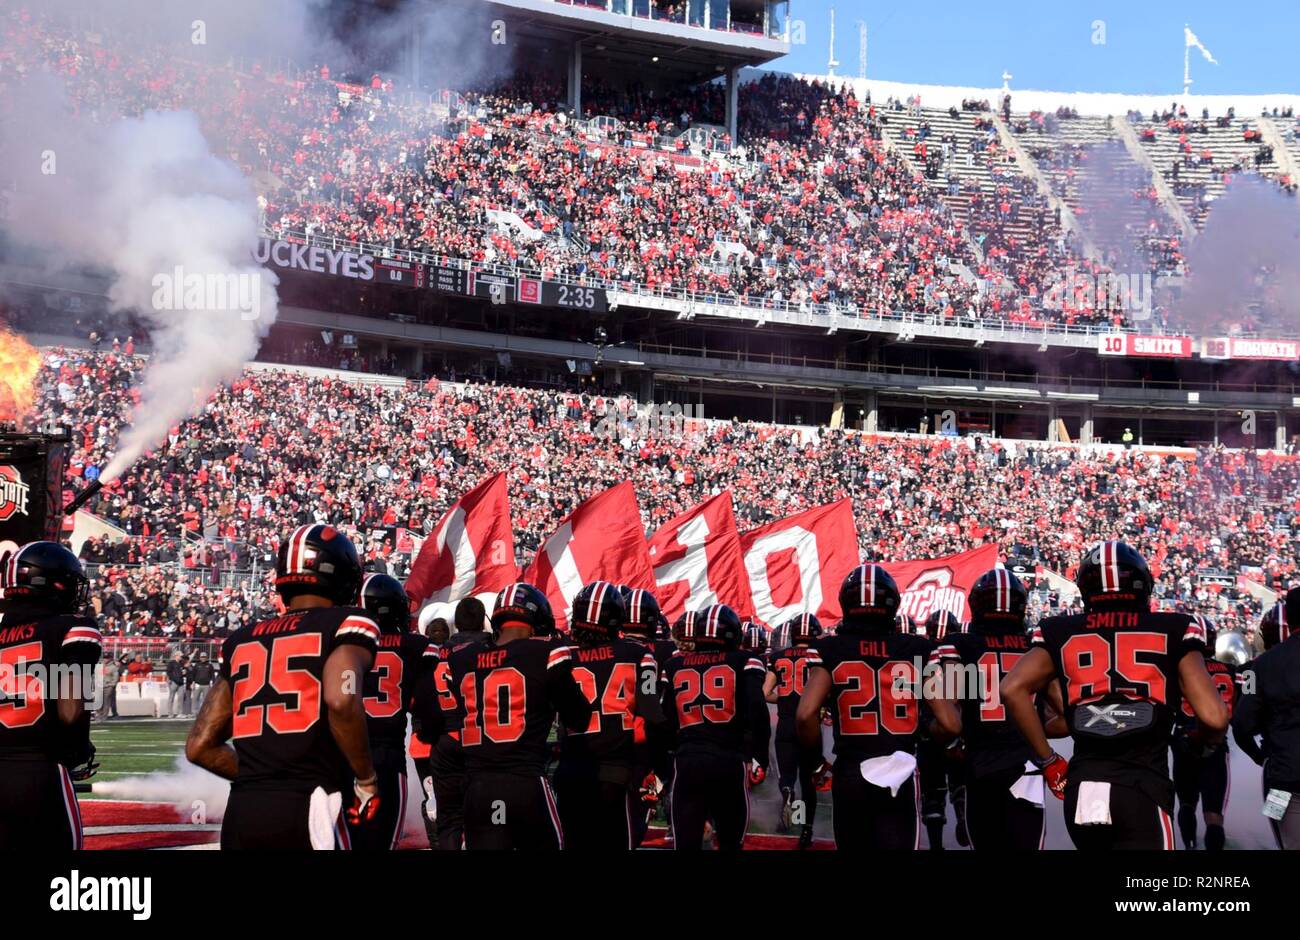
(1049, 45)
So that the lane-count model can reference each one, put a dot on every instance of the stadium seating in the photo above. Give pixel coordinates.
(871, 208)
(279, 448)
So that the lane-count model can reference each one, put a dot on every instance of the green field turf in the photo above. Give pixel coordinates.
(136, 746)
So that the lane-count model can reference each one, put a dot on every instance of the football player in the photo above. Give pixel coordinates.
(47, 653)
(1002, 811)
(596, 783)
(1124, 673)
(754, 639)
(1201, 774)
(448, 759)
(721, 725)
(786, 677)
(400, 683)
(871, 676)
(509, 690)
(938, 761)
(653, 762)
(289, 694)
(1270, 711)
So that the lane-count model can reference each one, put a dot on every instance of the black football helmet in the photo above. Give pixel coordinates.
(1275, 625)
(645, 619)
(868, 599)
(802, 629)
(1291, 604)
(321, 560)
(906, 623)
(45, 574)
(385, 599)
(1114, 575)
(998, 597)
(940, 623)
(715, 625)
(598, 610)
(753, 637)
(522, 603)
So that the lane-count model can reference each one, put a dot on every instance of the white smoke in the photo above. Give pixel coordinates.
(196, 794)
(1244, 267)
(146, 200)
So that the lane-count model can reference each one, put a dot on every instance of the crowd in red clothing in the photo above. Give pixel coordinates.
(277, 449)
(816, 209)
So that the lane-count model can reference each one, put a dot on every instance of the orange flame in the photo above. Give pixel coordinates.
(19, 362)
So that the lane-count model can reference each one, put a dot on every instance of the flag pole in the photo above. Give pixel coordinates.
(1187, 76)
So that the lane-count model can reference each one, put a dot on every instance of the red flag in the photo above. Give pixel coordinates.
(940, 583)
(697, 561)
(797, 564)
(471, 551)
(602, 540)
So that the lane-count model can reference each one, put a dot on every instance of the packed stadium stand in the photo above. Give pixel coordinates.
(832, 271)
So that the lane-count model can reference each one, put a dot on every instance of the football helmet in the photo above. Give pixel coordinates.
(803, 629)
(45, 574)
(715, 625)
(321, 560)
(998, 595)
(1114, 575)
(868, 598)
(521, 603)
(385, 599)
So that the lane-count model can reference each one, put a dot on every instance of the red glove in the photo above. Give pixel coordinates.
(365, 805)
(757, 773)
(650, 789)
(822, 777)
(1054, 772)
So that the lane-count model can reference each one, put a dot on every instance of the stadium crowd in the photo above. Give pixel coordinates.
(816, 208)
(277, 449)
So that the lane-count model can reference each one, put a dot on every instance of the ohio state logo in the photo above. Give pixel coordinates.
(13, 493)
(930, 591)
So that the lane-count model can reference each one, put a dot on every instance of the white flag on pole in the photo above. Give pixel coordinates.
(1192, 42)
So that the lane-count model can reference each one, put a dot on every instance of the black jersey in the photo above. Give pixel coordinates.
(993, 744)
(453, 716)
(43, 658)
(1272, 709)
(875, 697)
(716, 704)
(621, 680)
(790, 666)
(509, 694)
(401, 663)
(280, 726)
(1118, 672)
(1226, 679)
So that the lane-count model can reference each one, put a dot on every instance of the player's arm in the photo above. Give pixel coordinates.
(206, 745)
(81, 651)
(769, 688)
(425, 709)
(1053, 712)
(1031, 675)
(573, 707)
(345, 670)
(808, 717)
(1248, 720)
(648, 704)
(1203, 695)
(760, 719)
(940, 688)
